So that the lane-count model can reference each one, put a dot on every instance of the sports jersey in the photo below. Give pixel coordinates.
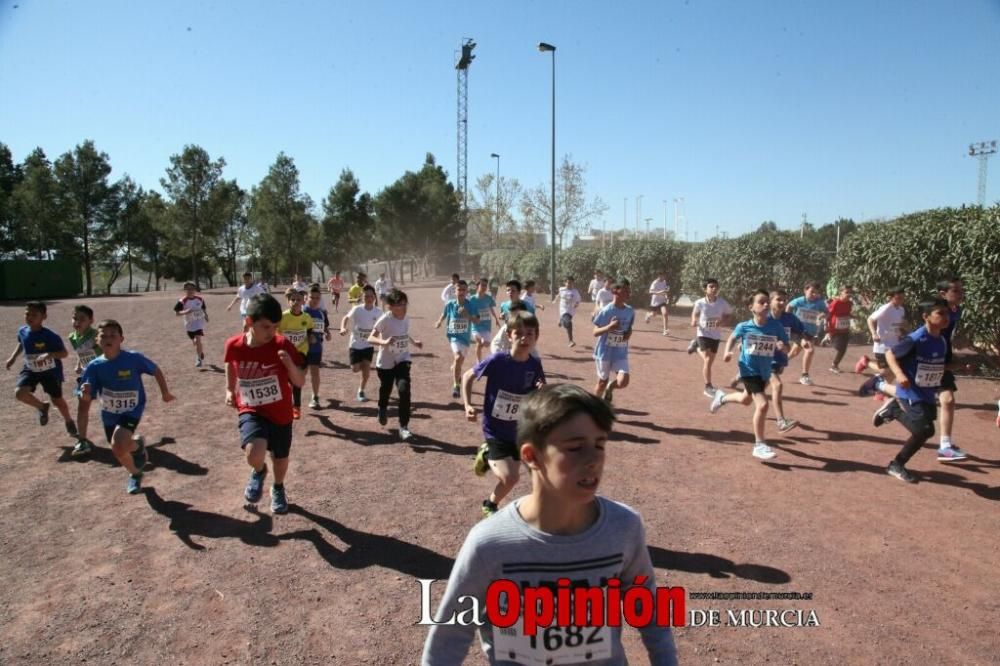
(448, 293)
(335, 285)
(594, 287)
(657, 300)
(603, 297)
(246, 293)
(398, 350)
(710, 315)
(505, 308)
(36, 343)
(921, 356)
(839, 316)
(507, 382)
(529, 300)
(954, 315)
(810, 313)
(613, 345)
(362, 322)
(459, 326)
(355, 293)
(194, 319)
(791, 324)
(483, 306)
(507, 547)
(888, 323)
(383, 287)
(262, 385)
(757, 346)
(117, 383)
(84, 344)
(296, 328)
(569, 300)
(320, 323)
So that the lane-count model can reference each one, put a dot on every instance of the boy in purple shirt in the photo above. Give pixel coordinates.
(509, 377)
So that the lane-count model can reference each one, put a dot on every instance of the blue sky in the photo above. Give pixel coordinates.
(750, 110)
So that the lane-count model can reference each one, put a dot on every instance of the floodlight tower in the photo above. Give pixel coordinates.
(982, 150)
(462, 175)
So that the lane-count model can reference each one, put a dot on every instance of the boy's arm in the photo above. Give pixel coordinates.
(658, 641)
(230, 385)
(232, 303)
(343, 324)
(83, 411)
(467, 379)
(893, 362)
(694, 315)
(449, 643)
(13, 356)
(871, 328)
(295, 374)
(496, 317)
(728, 356)
(601, 330)
(161, 381)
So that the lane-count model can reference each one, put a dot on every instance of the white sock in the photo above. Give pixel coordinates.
(945, 442)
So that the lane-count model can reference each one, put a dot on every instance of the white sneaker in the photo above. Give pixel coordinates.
(763, 451)
(784, 425)
(666, 332)
(404, 434)
(709, 391)
(649, 315)
(717, 401)
(314, 403)
(805, 380)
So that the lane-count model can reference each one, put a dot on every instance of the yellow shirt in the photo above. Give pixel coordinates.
(355, 293)
(296, 328)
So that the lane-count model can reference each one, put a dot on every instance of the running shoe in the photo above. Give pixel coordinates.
(900, 472)
(834, 369)
(489, 508)
(279, 502)
(572, 344)
(885, 413)
(296, 413)
(666, 332)
(861, 365)
(806, 380)
(951, 454)
(784, 425)
(314, 403)
(404, 434)
(139, 456)
(456, 392)
(84, 447)
(710, 390)
(649, 315)
(43, 414)
(197, 361)
(717, 401)
(71, 428)
(481, 465)
(255, 485)
(692, 346)
(361, 397)
(383, 416)
(134, 484)
(763, 451)
(870, 386)
(609, 393)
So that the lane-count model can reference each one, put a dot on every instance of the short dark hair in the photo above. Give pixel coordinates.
(396, 297)
(547, 408)
(111, 323)
(37, 306)
(292, 291)
(932, 304)
(708, 281)
(515, 284)
(314, 289)
(815, 285)
(570, 278)
(945, 284)
(522, 318)
(248, 274)
(778, 292)
(264, 306)
(314, 285)
(620, 283)
(190, 285)
(462, 283)
(756, 293)
(455, 276)
(368, 289)
(85, 310)
(528, 284)
(896, 290)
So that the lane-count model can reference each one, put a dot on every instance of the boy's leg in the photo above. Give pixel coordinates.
(458, 360)
(759, 415)
(603, 373)
(807, 357)
(402, 379)
(621, 379)
(664, 313)
(366, 371)
(314, 379)
(297, 393)
(508, 472)
(63, 408)
(918, 419)
(708, 358)
(946, 396)
(776, 390)
(198, 347)
(840, 345)
(122, 447)
(27, 396)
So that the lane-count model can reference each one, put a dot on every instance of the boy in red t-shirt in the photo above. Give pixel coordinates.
(839, 324)
(259, 366)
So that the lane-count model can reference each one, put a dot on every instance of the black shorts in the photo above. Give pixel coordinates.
(948, 381)
(708, 344)
(359, 356)
(497, 449)
(565, 320)
(753, 384)
(881, 362)
(315, 357)
(130, 423)
(778, 369)
(797, 338)
(279, 437)
(50, 384)
(196, 334)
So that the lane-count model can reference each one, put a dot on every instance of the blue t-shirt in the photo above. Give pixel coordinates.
(505, 308)
(35, 343)
(117, 383)
(613, 345)
(809, 313)
(922, 359)
(320, 322)
(459, 326)
(954, 315)
(758, 345)
(791, 324)
(481, 305)
(507, 381)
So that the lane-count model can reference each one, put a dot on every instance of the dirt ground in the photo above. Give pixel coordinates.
(184, 574)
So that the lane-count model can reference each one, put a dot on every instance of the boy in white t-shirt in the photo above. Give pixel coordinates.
(604, 295)
(192, 308)
(383, 286)
(659, 300)
(361, 352)
(247, 290)
(709, 315)
(595, 285)
(391, 335)
(886, 328)
(528, 296)
(569, 300)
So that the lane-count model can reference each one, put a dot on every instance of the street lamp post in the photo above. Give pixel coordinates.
(638, 213)
(665, 214)
(496, 223)
(543, 47)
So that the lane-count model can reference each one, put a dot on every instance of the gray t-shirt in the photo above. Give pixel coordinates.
(506, 547)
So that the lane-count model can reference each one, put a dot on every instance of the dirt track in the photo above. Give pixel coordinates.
(183, 574)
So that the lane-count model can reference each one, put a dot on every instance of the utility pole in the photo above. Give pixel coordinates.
(665, 213)
(982, 150)
(462, 175)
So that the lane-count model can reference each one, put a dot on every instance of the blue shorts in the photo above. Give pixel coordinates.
(115, 421)
(279, 437)
(315, 357)
(49, 381)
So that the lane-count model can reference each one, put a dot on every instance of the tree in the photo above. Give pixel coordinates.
(151, 232)
(117, 244)
(573, 211)
(236, 235)
(347, 227)
(35, 207)
(489, 225)
(190, 185)
(86, 199)
(281, 214)
(10, 176)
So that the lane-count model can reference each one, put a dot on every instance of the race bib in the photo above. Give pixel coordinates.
(788, 333)
(400, 345)
(506, 405)
(761, 345)
(484, 316)
(843, 324)
(808, 316)
(196, 315)
(361, 334)
(259, 391)
(35, 364)
(295, 337)
(929, 375)
(458, 326)
(318, 326)
(711, 324)
(86, 356)
(119, 402)
(552, 645)
(616, 339)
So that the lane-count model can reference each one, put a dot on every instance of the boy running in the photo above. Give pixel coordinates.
(246, 291)
(839, 332)
(792, 325)
(295, 326)
(361, 352)
(604, 295)
(83, 339)
(759, 338)
(885, 326)
(569, 301)
(485, 306)
(448, 293)
(383, 286)
(811, 311)
(595, 285)
(320, 331)
(260, 366)
(513, 288)
(115, 378)
(528, 296)
(335, 285)
(659, 300)
(357, 290)
(43, 353)
(562, 530)
(708, 316)
(391, 335)
(510, 376)
(613, 329)
(459, 316)
(501, 341)
(192, 307)
(953, 291)
(299, 285)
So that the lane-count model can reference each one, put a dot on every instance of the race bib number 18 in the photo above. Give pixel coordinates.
(506, 405)
(929, 375)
